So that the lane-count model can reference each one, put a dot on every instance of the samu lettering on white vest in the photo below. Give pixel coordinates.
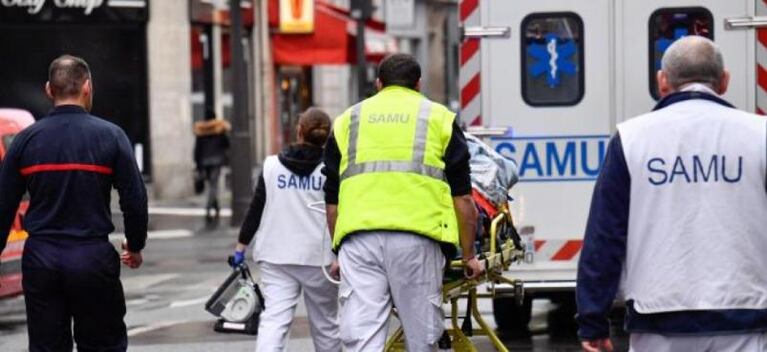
(694, 170)
(296, 182)
(388, 118)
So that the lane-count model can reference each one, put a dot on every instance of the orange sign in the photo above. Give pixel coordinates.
(296, 16)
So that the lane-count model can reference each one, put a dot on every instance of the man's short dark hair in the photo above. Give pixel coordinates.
(66, 76)
(399, 70)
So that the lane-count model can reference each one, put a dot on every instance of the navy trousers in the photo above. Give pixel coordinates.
(73, 284)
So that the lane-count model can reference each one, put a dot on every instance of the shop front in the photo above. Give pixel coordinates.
(313, 58)
(109, 34)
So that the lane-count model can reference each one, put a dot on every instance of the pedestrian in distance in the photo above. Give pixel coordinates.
(289, 240)
(398, 187)
(211, 149)
(678, 219)
(68, 162)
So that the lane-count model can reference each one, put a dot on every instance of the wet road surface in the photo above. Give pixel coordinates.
(184, 263)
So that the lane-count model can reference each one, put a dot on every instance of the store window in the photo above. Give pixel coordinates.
(552, 59)
(669, 24)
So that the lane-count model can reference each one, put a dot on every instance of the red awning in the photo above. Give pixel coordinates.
(333, 40)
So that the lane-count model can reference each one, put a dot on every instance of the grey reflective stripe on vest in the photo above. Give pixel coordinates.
(421, 131)
(416, 165)
(354, 133)
(394, 166)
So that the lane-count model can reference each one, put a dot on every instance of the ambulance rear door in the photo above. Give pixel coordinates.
(550, 83)
(647, 28)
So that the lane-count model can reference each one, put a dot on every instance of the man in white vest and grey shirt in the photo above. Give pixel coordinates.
(678, 219)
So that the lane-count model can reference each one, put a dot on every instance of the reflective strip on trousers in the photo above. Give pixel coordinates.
(416, 165)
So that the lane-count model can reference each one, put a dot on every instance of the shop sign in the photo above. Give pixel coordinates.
(81, 11)
(296, 16)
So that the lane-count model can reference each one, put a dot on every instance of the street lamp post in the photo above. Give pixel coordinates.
(360, 12)
(241, 145)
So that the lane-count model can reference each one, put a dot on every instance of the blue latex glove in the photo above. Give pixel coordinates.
(238, 258)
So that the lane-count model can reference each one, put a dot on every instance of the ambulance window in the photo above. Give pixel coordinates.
(669, 24)
(552, 59)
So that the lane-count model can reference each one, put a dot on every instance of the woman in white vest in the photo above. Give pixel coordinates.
(289, 239)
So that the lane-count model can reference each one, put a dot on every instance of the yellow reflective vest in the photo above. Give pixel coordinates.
(392, 170)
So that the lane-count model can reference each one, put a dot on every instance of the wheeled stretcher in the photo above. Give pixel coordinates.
(500, 247)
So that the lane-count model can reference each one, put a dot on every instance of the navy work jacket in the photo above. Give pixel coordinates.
(69, 161)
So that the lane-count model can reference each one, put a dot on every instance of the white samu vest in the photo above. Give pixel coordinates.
(697, 233)
(290, 232)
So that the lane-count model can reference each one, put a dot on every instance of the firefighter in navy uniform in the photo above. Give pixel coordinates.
(68, 162)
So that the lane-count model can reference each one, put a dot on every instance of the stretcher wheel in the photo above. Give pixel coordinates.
(561, 319)
(510, 318)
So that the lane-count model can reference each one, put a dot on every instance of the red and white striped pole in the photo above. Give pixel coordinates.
(761, 61)
(469, 74)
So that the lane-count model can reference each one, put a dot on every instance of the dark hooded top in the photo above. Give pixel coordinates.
(211, 143)
(300, 159)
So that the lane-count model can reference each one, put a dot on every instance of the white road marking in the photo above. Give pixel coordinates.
(179, 211)
(189, 302)
(136, 302)
(226, 212)
(142, 282)
(158, 235)
(152, 327)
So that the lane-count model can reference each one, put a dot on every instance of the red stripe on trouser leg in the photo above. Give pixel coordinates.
(568, 251)
(467, 7)
(468, 49)
(470, 91)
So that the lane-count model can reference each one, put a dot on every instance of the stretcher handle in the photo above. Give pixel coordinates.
(494, 231)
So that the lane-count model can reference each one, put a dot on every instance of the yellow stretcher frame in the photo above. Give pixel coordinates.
(496, 260)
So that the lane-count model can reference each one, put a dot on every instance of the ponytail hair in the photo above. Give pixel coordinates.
(315, 126)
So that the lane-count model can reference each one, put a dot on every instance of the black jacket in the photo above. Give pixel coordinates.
(69, 161)
(212, 143)
(300, 159)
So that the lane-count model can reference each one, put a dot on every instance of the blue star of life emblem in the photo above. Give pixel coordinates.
(553, 58)
(661, 45)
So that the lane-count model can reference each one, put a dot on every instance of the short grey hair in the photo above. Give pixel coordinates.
(66, 75)
(693, 59)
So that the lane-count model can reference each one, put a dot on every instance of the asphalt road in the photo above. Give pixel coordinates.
(184, 263)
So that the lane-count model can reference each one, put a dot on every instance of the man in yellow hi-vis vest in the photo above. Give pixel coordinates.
(398, 186)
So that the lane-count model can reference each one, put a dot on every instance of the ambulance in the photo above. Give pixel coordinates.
(12, 121)
(549, 80)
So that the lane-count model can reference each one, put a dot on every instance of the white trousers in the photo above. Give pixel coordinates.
(380, 267)
(281, 286)
(756, 342)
